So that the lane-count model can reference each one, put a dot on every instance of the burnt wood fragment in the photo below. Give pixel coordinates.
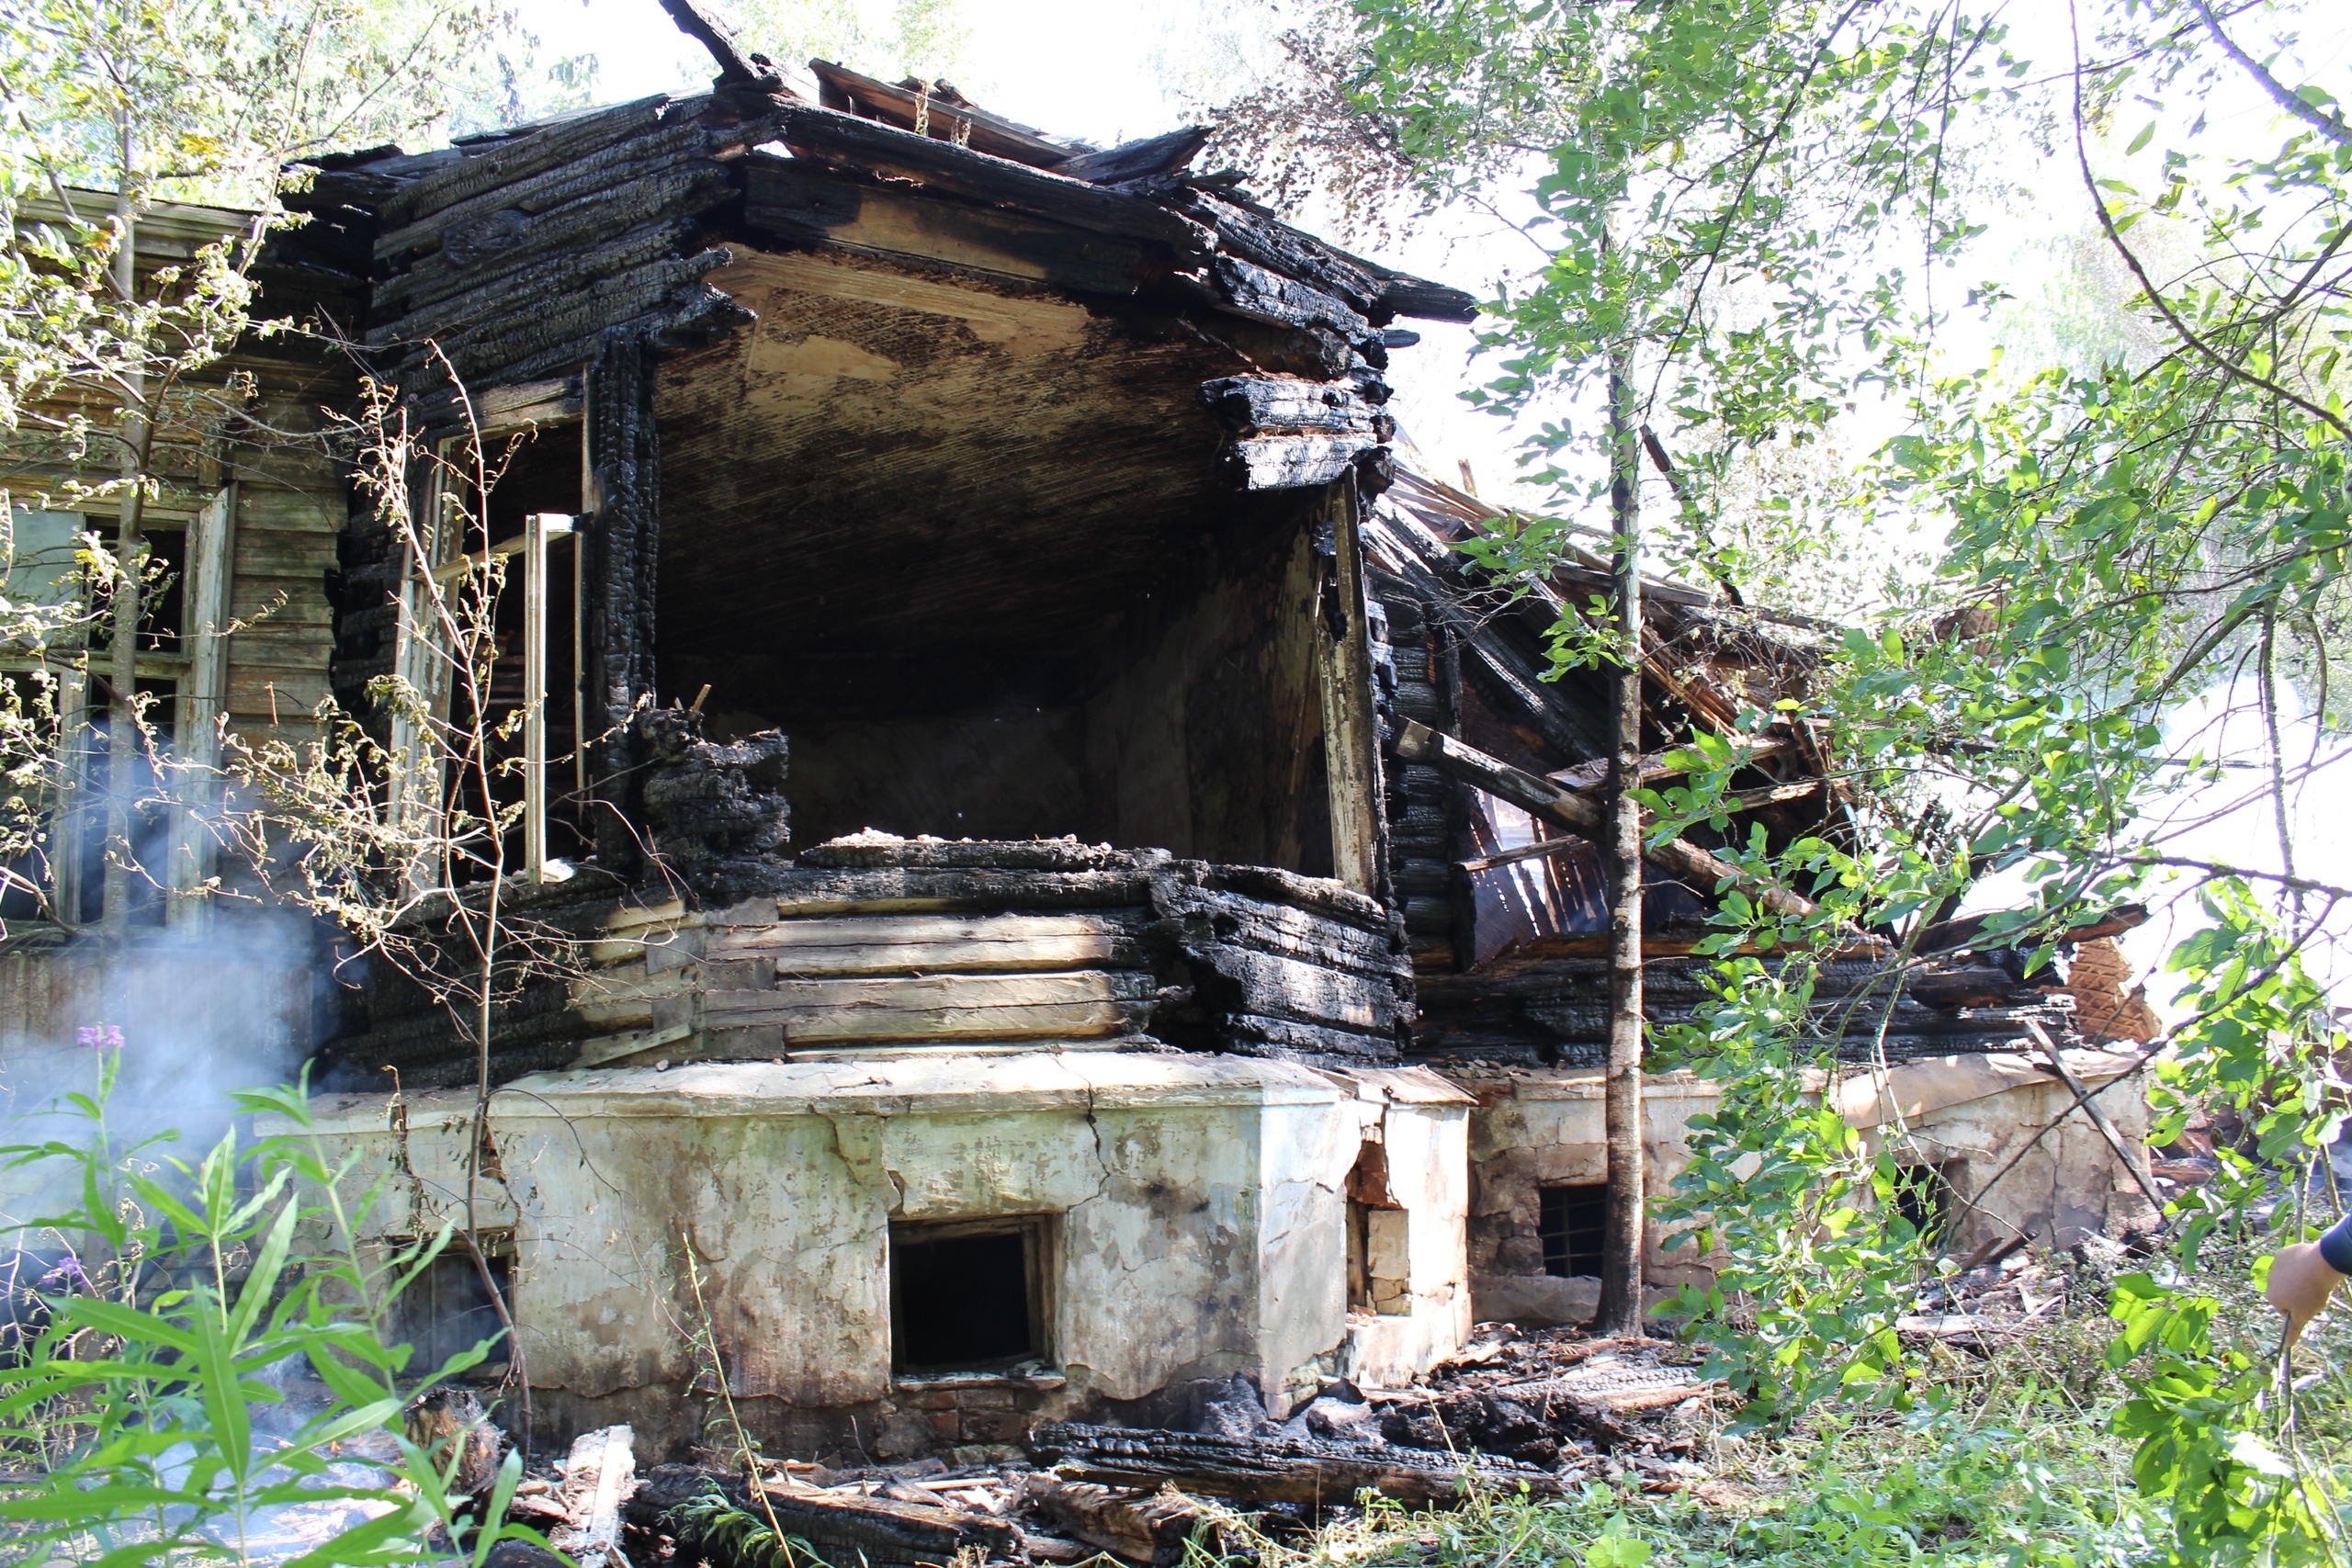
(1150, 1530)
(1290, 462)
(736, 68)
(1428, 301)
(880, 1530)
(1256, 405)
(1136, 160)
(1285, 1470)
(1264, 295)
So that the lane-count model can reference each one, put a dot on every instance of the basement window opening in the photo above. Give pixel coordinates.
(446, 1312)
(1923, 1197)
(1571, 1221)
(969, 1295)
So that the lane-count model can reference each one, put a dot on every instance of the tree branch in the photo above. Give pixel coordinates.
(2327, 125)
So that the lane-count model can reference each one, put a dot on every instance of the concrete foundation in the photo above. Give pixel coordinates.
(1192, 1211)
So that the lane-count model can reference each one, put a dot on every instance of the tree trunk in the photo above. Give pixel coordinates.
(1620, 1252)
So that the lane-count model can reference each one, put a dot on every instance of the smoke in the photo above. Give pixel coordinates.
(188, 1019)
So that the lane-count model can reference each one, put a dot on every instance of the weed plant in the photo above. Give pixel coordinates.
(144, 1419)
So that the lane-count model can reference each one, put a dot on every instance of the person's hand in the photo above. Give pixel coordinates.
(2301, 1283)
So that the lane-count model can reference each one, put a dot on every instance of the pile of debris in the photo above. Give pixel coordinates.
(1543, 1410)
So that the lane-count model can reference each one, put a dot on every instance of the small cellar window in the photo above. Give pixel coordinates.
(445, 1310)
(1923, 1196)
(969, 1295)
(1570, 1223)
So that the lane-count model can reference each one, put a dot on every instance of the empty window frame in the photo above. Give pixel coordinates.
(445, 1310)
(536, 627)
(1571, 1220)
(180, 660)
(970, 1296)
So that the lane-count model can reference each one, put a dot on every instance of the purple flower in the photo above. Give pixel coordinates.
(67, 1273)
(99, 1037)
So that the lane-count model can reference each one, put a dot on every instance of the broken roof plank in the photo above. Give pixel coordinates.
(846, 90)
(735, 68)
(1138, 160)
(886, 150)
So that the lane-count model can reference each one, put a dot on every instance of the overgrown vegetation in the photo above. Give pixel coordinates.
(161, 1314)
(1761, 214)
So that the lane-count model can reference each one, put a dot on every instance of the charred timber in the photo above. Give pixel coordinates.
(883, 149)
(799, 202)
(1138, 160)
(1281, 1469)
(507, 163)
(1263, 405)
(878, 1529)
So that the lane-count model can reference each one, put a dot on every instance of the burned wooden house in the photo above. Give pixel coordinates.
(1069, 856)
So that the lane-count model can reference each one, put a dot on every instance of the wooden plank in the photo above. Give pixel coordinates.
(1350, 729)
(948, 1007)
(271, 510)
(1277, 986)
(930, 944)
(1291, 462)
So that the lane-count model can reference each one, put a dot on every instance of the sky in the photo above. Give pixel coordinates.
(1105, 74)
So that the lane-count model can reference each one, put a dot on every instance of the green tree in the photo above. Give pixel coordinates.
(109, 105)
(1761, 208)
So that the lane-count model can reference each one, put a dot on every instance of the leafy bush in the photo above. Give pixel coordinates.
(138, 1421)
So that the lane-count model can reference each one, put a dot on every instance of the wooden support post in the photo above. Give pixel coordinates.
(622, 496)
(1350, 731)
(1621, 1249)
(539, 530)
(204, 694)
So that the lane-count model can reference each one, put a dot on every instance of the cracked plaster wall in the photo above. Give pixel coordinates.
(1536, 1128)
(1200, 1204)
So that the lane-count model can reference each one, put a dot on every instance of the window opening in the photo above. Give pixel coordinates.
(1923, 1196)
(446, 1312)
(968, 1295)
(45, 568)
(1570, 1223)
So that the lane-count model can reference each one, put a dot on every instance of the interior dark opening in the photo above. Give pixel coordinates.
(445, 1310)
(967, 1296)
(1570, 1223)
(1923, 1197)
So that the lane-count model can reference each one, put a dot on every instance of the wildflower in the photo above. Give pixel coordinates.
(99, 1037)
